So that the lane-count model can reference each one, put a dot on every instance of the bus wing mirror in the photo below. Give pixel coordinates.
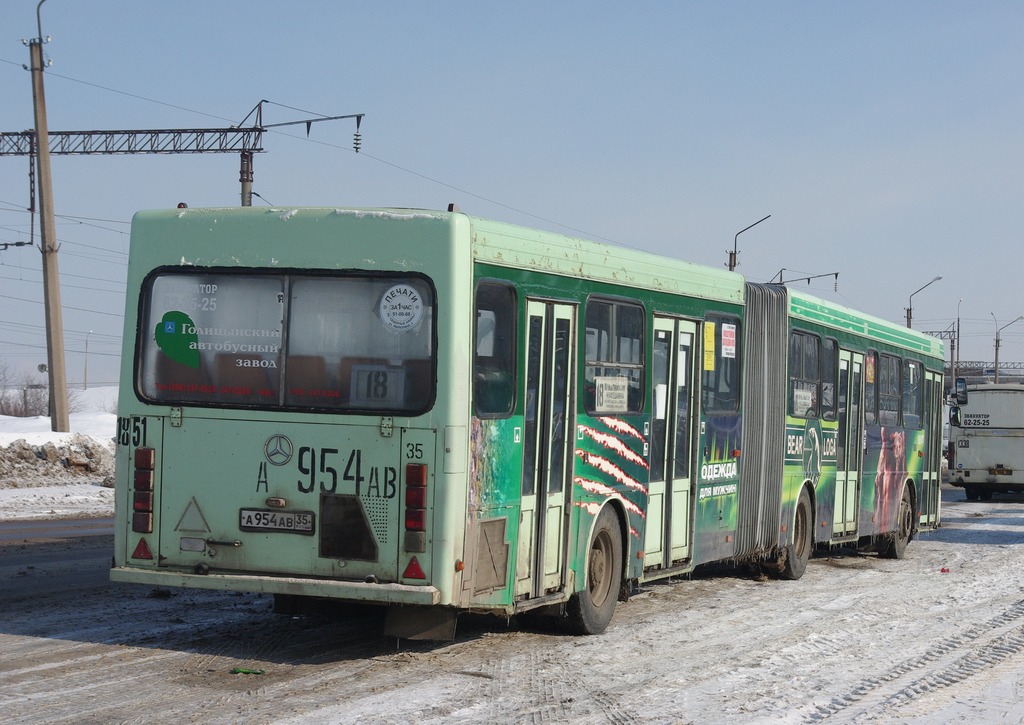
(954, 416)
(961, 391)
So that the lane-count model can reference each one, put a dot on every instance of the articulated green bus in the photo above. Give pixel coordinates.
(441, 413)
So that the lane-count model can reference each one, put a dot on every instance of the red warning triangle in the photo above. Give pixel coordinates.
(142, 551)
(413, 571)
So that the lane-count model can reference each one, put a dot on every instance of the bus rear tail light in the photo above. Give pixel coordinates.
(142, 500)
(416, 474)
(143, 480)
(416, 497)
(416, 507)
(415, 520)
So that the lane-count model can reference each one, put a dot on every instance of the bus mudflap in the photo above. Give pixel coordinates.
(426, 623)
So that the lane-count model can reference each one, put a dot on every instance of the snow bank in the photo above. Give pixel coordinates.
(60, 475)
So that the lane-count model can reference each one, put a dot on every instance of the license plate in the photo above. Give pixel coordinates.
(298, 522)
(1000, 471)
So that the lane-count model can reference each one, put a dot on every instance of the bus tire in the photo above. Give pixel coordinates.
(591, 610)
(896, 546)
(798, 553)
(971, 493)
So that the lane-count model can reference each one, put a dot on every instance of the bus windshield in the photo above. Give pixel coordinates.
(237, 338)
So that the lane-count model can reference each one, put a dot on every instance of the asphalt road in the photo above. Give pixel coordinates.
(39, 558)
(12, 532)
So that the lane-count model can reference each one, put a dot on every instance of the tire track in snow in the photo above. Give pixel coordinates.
(509, 706)
(557, 692)
(886, 691)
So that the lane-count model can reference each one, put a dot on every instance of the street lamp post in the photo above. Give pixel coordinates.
(998, 330)
(735, 240)
(996, 369)
(956, 347)
(85, 367)
(910, 301)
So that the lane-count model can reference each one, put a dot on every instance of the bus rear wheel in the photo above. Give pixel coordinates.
(896, 546)
(591, 610)
(798, 553)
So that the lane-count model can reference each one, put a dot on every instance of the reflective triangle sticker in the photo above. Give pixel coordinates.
(142, 551)
(414, 570)
(193, 519)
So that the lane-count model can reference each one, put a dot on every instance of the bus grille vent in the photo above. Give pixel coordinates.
(378, 509)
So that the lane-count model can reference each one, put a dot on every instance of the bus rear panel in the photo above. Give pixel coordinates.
(281, 428)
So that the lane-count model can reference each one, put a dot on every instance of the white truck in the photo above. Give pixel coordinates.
(986, 443)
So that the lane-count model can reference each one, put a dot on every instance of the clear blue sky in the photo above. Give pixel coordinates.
(884, 138)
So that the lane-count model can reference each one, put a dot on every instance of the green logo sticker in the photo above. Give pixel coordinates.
(176, 336)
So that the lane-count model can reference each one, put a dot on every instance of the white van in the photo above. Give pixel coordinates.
(986, 441)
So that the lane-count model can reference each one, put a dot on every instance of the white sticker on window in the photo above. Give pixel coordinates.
(728, 340)
(401, 308)
(611, 394)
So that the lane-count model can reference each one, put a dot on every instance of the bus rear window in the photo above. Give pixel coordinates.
(356, 343)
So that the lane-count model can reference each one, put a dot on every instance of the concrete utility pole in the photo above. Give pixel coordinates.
(245, 177)
(51, 277)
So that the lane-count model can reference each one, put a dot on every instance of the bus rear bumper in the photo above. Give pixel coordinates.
(328, 589)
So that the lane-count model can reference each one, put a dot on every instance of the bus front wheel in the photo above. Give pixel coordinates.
(591, 610)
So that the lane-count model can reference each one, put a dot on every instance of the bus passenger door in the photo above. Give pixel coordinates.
(931, 473)
(667, 538)
(849, 443)
(549, 396)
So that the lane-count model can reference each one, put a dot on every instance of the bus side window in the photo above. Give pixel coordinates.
(804, 374)
(614, 369)
(870, 388)
(494, 353)
(829, 373)
(720, 387)
(913, 394)
(889, 379)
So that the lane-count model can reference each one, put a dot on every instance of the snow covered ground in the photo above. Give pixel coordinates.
(60, 475)
(935, 637)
